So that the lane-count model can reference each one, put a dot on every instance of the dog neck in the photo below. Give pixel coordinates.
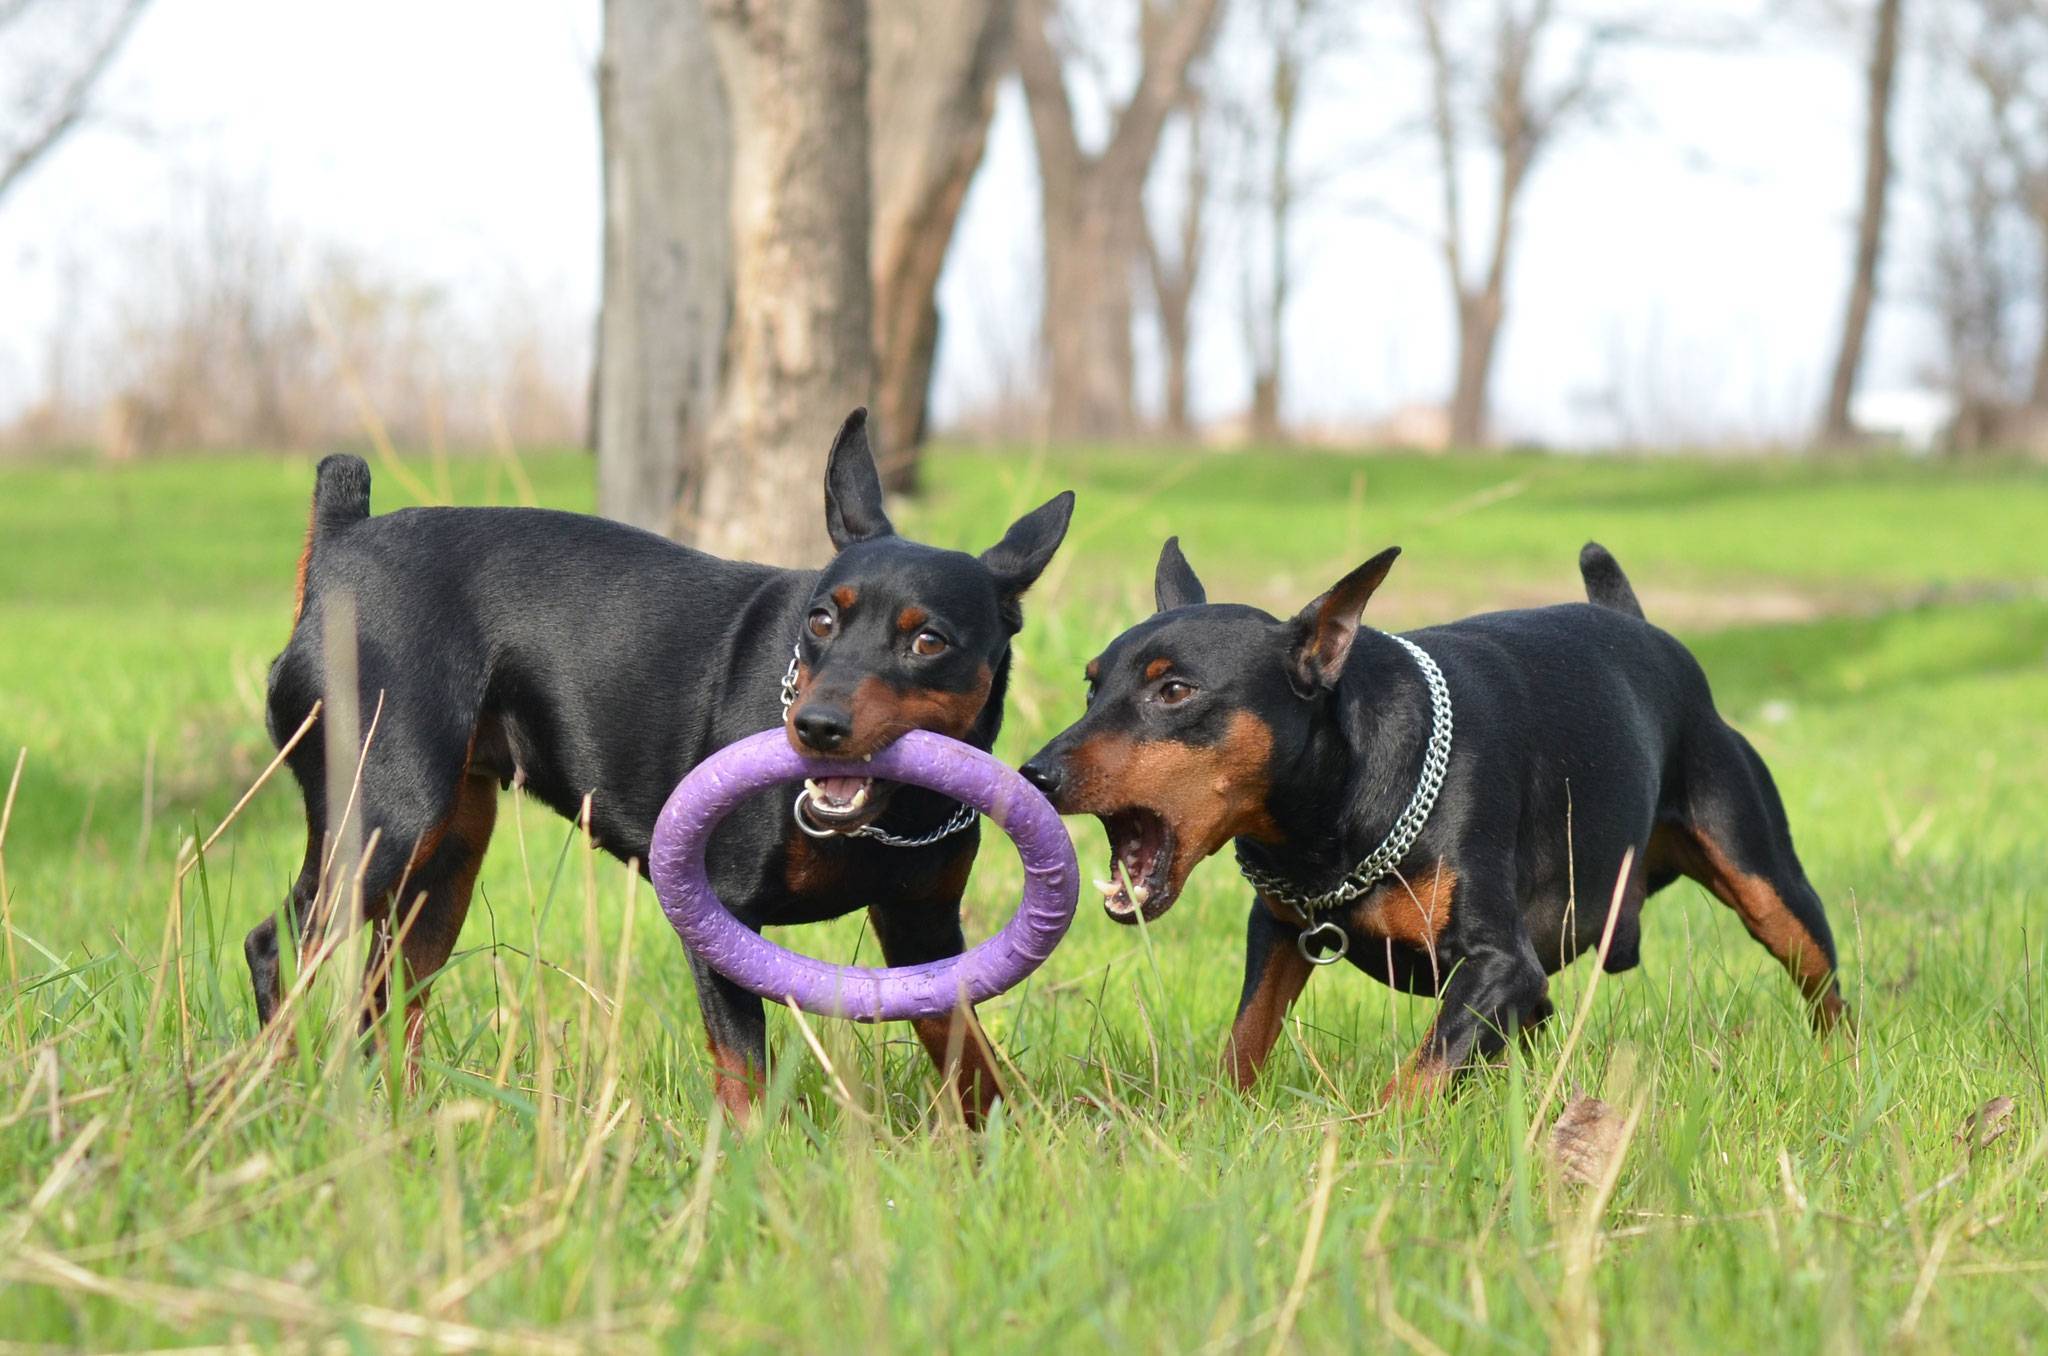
(1362, 755)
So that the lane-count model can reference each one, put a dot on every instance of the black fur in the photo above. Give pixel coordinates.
(1582, 733)
(584, 658)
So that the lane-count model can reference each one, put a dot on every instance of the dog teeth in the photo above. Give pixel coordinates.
(860, 798)
(1109, 888)
(1139, 894)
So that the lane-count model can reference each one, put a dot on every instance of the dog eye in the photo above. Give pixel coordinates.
(822, 624)
(928, 643)
(1173, 692)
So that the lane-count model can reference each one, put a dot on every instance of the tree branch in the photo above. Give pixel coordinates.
(69, 106)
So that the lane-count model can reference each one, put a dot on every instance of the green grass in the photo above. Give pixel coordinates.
(558, 1182)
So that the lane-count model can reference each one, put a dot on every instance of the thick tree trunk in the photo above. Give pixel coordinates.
(1836, 426)
(1091, 247)
(667, 250)
(1093, 209)
(799, 352)
(933, 69)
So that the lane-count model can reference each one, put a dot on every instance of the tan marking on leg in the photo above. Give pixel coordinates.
(1770, 920)
(1421, 1077)
(960, 1051)
(734, 1082)
(1258, 1025)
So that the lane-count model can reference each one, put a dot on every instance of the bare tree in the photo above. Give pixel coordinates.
(1870, 221)
(667, 261)
(62, 48)
(2006, 57)
(800, 343)
(1490, 92)
(934, 65)
(1292, 37)
(1174, 275)
(1092, 204)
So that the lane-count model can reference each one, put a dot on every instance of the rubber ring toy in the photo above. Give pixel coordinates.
(884, 994)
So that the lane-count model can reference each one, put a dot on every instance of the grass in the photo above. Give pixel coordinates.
(558, 1182)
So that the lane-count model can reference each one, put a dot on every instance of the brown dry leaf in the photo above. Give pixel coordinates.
(1584, 1140)
(1986, 1125)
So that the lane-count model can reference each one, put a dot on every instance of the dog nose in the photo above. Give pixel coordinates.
(823, 728)
(1044, 776)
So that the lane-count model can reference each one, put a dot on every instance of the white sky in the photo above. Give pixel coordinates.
(1687, 260)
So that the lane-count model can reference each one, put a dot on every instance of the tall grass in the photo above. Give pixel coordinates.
(558, 1180)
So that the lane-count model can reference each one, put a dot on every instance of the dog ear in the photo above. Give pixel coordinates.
(1173, 582)
(853, 490)
(1026, 549)
(1322, 632)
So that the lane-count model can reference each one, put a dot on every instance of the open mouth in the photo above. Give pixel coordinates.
(843, 804)
(1141, 850)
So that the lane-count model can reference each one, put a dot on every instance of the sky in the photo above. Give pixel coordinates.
(1680, 268)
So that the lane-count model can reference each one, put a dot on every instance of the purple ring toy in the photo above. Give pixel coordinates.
(719, 783)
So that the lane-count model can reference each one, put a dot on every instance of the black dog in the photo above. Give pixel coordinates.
(587, 659)
(1432, 830)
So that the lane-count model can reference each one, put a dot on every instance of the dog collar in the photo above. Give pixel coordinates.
(1436, 762)
(962, 818)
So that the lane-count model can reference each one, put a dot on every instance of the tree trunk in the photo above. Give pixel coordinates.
(1173, 283)
(800, 350)
(1836, 426)
(1091, 246)
(1093, 210)
(934, 65)
(1479, 317)
(667, 252)
(1286, 95)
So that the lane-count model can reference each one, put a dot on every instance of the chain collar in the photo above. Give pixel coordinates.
(963, 816)
(1436, 761)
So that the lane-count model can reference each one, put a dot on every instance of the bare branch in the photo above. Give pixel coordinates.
(69, 106)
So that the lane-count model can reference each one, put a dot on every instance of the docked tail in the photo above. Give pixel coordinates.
(1606, 585)
(341, 498)
(341, 493)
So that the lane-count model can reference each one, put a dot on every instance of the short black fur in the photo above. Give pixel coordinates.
(586, 659)
(1583, 736)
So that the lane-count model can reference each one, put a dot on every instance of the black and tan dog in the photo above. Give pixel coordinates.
(1428, 807)
(583, 659)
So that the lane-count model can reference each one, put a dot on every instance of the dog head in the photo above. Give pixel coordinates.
(1194, 717)
(901, 636)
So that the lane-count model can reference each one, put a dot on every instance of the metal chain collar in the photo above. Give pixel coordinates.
(963, 817)
(1436, 762)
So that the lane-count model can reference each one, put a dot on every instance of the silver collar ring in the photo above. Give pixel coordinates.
(1304, 943)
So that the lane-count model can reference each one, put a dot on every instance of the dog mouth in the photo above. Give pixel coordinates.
(1141, 859)
(843, 804)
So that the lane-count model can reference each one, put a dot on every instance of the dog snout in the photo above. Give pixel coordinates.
(821, 728)
(1045, 774)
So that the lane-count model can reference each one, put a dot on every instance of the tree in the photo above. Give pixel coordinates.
(934, 65)
(1488, 89)
(1092, 205)
(1293, 36)
(667, 261)
(1175, 275)
(799, 346)
(58, 50)
(1870, 223)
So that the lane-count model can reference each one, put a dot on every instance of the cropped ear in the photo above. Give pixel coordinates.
(1026, 549)
(1173, 583)
(853, 491)
(1322, 632)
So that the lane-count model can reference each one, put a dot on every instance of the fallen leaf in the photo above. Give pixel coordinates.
(1986, 1125)
(1584, 1140)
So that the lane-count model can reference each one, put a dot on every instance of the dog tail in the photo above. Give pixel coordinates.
(341, 498)
(341, 493)
(1606, 585)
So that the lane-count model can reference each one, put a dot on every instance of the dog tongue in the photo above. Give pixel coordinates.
(840, 789)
